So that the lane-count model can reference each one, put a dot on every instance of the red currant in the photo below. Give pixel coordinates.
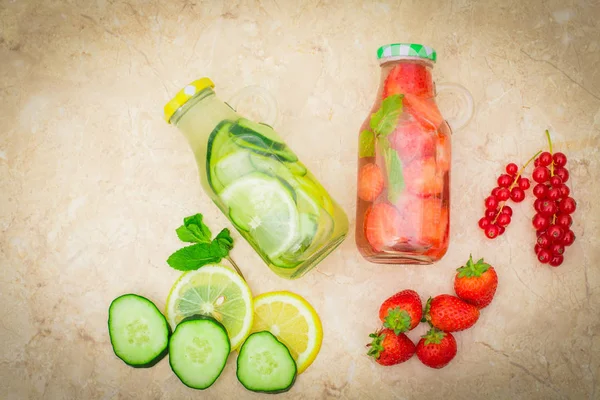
(536, 162)
(490, 214)
(503, 219)
(555, 261)
(544, 241)
(564, 220)
(492, 231)
(545, 159)
(524, 183)
(495, 191)
(564, 191)
(560, 160)
(567, 206)
(568, 238)
(541, 174)
(501, 230)
(553, 194)
(540, 190)
(512, 169)
(503, 194)
(517, 194)
(563, 173)
(491, 203)
(540, 232)
(537, 205)
(540, 222)
(557, 249)
(507, 210)
(537, 248)
(544, 256)
(555, 233)
(555, 180)
(483, 222)
(548, 208)
(504, 180)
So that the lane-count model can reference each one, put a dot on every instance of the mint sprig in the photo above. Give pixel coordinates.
(204, 250)
(384, 121)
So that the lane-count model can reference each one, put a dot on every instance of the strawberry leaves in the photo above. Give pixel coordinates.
(471, 269)
(397, 320)
(376, 345)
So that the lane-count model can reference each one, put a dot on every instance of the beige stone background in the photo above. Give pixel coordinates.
(93, 184)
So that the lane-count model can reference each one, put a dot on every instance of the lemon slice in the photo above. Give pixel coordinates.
(217, 291)
(293, 321)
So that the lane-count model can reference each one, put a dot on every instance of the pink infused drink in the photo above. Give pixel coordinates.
(403, 196)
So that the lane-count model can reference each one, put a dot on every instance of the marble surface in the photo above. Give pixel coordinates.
(93, 183)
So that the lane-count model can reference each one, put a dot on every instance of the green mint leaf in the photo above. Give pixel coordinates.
(393, 167)
(224, 241)
(384, 121)
(185, 235)
(366, 144)
(194, 230)
(195, 256)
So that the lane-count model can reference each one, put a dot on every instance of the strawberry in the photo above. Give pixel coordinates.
(476, 283)
(402, 312)
(424, 110)
(450, 314)
(422, 178)
(434, 221)
(370, 182)
(408, 78)
(411, 141)
(382, 226)
(388, 348)
(443, 151)
(436, 349)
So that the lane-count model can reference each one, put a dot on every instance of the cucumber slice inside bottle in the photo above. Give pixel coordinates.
(218, 147)
(308, 226)
(265, 364)
(262, 206)
(297, 168)
(267, 134)
(139, 333)
(232, 167)
(198, 351)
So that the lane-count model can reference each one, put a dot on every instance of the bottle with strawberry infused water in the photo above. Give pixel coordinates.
(403, 194)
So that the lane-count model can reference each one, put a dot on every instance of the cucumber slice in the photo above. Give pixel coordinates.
(264, 208)
(139, 333)
(198, 351)
(264, 132)
(259, 145)
(265, 364)
(308, 225)
(297, 168)
(232, 167)
(219, 145)
(272, 166)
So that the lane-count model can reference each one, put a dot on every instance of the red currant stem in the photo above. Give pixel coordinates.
(551, 166)
(550, 147)
(515, 182)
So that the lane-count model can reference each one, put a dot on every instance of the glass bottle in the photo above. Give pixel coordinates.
(403, 195)
(257, 181)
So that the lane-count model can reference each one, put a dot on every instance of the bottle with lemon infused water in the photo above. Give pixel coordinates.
(270, 197)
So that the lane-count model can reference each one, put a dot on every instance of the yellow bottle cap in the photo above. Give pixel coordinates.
(184, 95)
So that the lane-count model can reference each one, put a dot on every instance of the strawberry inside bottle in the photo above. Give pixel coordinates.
(403, 197)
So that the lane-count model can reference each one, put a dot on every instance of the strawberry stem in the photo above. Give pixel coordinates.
(515, 182)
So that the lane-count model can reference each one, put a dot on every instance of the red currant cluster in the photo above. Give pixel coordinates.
(553, 207)
(497, 213)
